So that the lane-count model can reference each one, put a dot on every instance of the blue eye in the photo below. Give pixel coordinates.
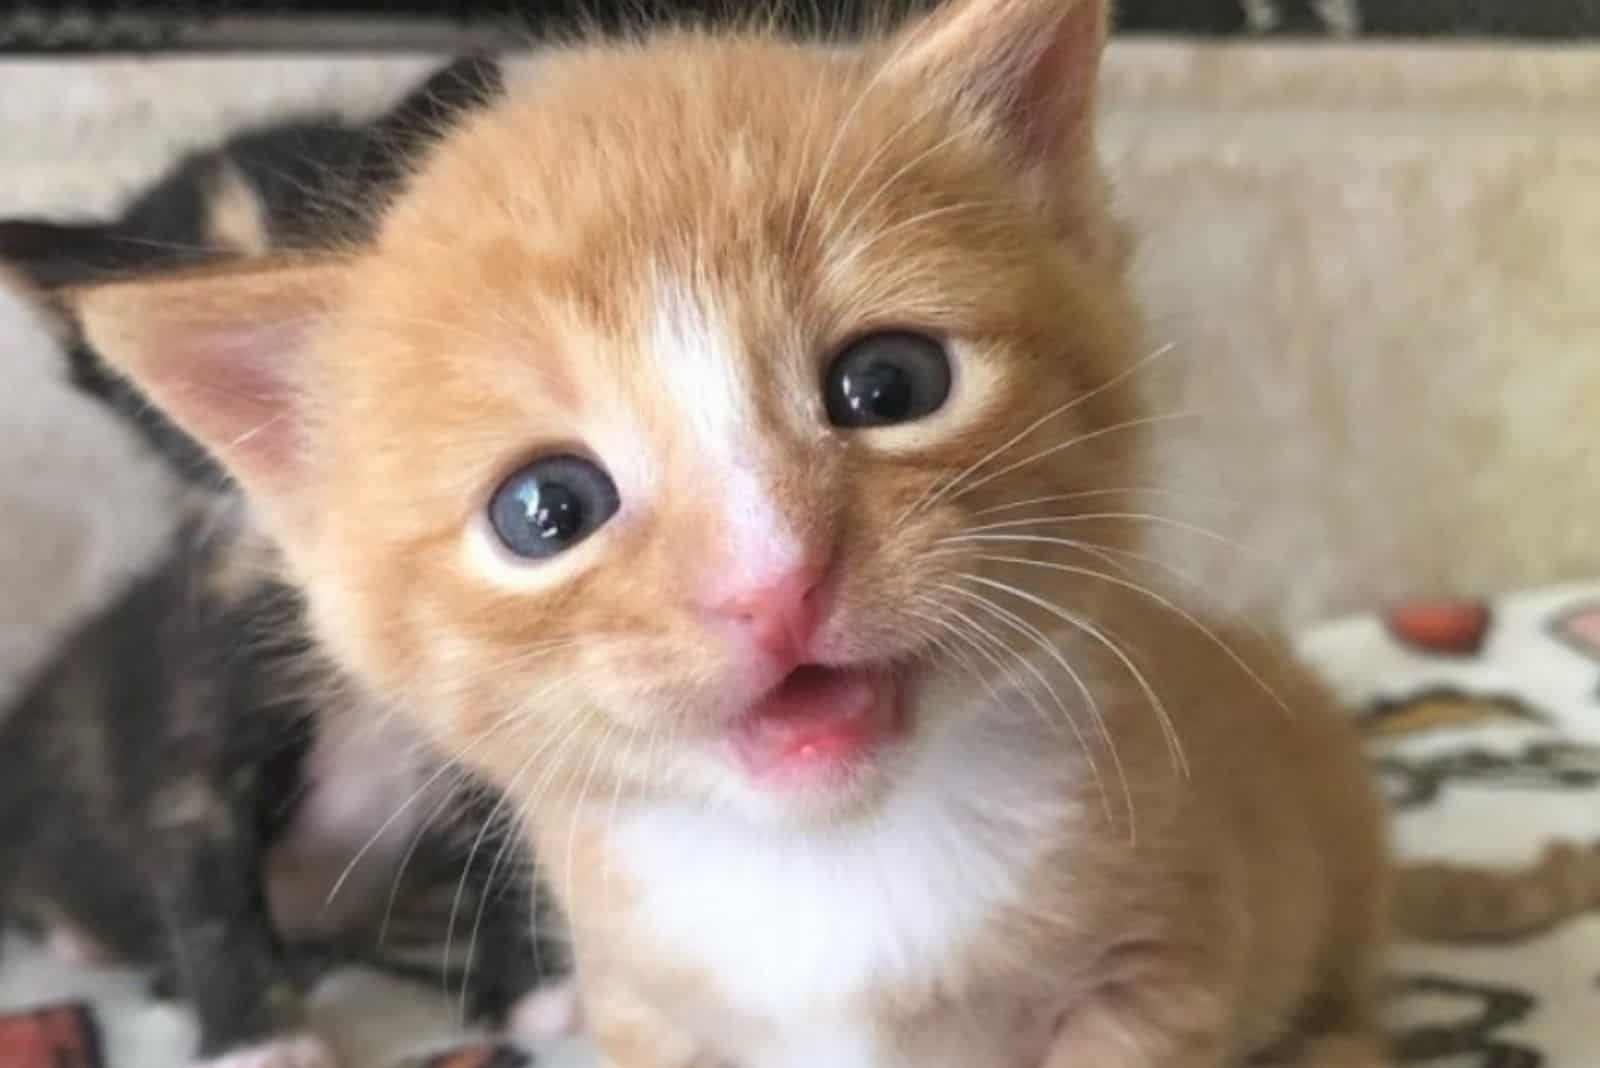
(887, 378)
(551, 505)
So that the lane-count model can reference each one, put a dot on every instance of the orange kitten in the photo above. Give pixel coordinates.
(724, 448)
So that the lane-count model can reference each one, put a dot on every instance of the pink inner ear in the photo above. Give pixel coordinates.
(1056, 92)
(232, 387)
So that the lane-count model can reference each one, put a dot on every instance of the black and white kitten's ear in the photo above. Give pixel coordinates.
(227, 355)
(1029, 65)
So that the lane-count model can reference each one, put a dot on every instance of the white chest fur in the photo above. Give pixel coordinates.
(796, 927)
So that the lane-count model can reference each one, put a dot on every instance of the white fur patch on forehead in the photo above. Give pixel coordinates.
(700, 367)
(711, 391)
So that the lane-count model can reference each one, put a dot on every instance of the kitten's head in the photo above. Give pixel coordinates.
(647, 441)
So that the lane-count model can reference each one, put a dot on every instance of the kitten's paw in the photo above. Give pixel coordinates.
(548, 1012)
(290, 1051)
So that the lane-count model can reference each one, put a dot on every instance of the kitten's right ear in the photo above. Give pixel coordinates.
(227, 356)
(1028, 65)
(1026, 70)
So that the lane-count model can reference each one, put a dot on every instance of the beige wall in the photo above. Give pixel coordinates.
(1380, 270)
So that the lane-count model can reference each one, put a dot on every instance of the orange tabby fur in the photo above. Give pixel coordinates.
(648, 254)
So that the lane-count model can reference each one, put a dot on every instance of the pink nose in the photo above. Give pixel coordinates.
(780, 613)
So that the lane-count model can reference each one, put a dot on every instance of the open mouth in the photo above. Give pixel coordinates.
(819, 721)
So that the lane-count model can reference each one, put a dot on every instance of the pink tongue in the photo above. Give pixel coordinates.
(817, 717)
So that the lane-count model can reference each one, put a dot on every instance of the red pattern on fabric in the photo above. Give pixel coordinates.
(54, 1036)
(1441, 628)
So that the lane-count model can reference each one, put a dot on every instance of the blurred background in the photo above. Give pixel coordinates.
(199, 24)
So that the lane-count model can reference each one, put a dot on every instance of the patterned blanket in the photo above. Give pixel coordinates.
(1485, 728)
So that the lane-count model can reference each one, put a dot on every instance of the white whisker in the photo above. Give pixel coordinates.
(616, 800)
(928, 500)
(1072, 443)
(399, 811)
(845, 125)
(1038, 636)
(466, 873)
(405, 861)
(979, 631)
(581, 801)
(805, 157)
(831, 229)
(855, 252)
(516, 716)
(1094, 632)
(1109, 555)
(1165, 602)
(1113, 491)
(1131, 517)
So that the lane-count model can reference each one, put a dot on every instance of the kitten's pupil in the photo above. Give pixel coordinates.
(556, 512)
(881, 391)
(551, 505)
(887, 378)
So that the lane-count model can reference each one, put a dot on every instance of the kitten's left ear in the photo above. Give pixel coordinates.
(1028, 65)
(227, 356)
